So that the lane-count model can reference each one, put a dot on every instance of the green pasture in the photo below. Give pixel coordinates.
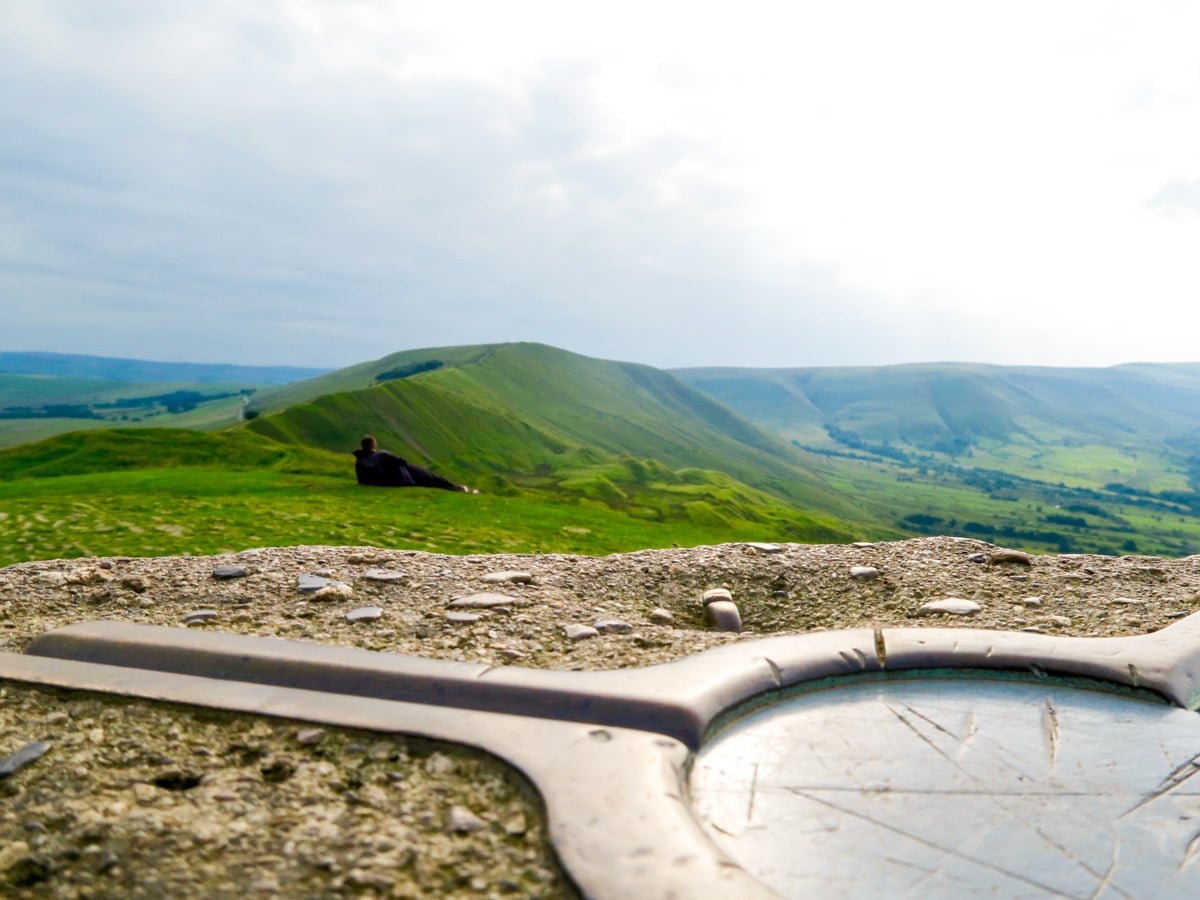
(1034, 515)
(152, 492)
(174, 511)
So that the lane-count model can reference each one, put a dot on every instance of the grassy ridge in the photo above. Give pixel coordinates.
(170, 491)
(127, 449)
(534, 415)
(168, 511)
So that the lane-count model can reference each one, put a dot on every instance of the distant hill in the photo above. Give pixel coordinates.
(112, 369)
(1069, 459)
(949, 408)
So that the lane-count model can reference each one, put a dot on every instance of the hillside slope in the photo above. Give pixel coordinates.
(540, 417)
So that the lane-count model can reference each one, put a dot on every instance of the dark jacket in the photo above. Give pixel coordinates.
(381, 469)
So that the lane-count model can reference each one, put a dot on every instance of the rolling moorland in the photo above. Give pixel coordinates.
(579, 455)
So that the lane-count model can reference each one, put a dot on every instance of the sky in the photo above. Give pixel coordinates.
(680, 184)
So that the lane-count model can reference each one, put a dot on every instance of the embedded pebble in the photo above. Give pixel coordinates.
(311, 584)
(481, 601)
(516, 824)
(576, 632)
(864, 573)
(512, 577)
(765, 548)
(723, 614)
(463, 821)
(1128, 601)
(23, 757)
(309, 736)
(382, 575)
(200, 616)
(135, 583)
(612, 626)
(455, 617)
(977, 558)
(716, 595)
(439, 764)
(224, 573)
(1058, 620)
(364, 614)
(953, 606)
(1032, 601)
(1002, 555)
(660, 616)
(332, 591)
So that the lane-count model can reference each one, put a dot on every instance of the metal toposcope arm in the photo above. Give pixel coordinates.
(609, 751)
(616, 801)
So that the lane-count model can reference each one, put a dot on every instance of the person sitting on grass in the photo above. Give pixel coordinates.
(382, 469)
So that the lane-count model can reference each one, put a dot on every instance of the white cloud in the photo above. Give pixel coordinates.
(676, 183)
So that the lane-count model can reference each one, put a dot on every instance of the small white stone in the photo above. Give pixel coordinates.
(463, 821)
(382, 575)
(864, 573)
(482, 601)
(716, 595)
(310, 735)
(1032, 601)
(765, 548)
(576, 632)
(508, 578)
(953, 606)
(612, 626)
(333, 591)
(724, 615)
(200, 616)
(438, 764)
(662, 616)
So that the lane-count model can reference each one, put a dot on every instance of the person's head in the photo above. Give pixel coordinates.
(368, 443)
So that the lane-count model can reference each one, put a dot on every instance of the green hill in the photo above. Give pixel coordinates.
(535, 415)
(573, 454)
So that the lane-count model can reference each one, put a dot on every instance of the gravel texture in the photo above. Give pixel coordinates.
(140, 799)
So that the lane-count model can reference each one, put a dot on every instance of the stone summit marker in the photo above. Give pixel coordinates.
(930, 762)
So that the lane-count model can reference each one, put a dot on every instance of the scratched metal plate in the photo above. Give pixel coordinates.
(959, 787)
